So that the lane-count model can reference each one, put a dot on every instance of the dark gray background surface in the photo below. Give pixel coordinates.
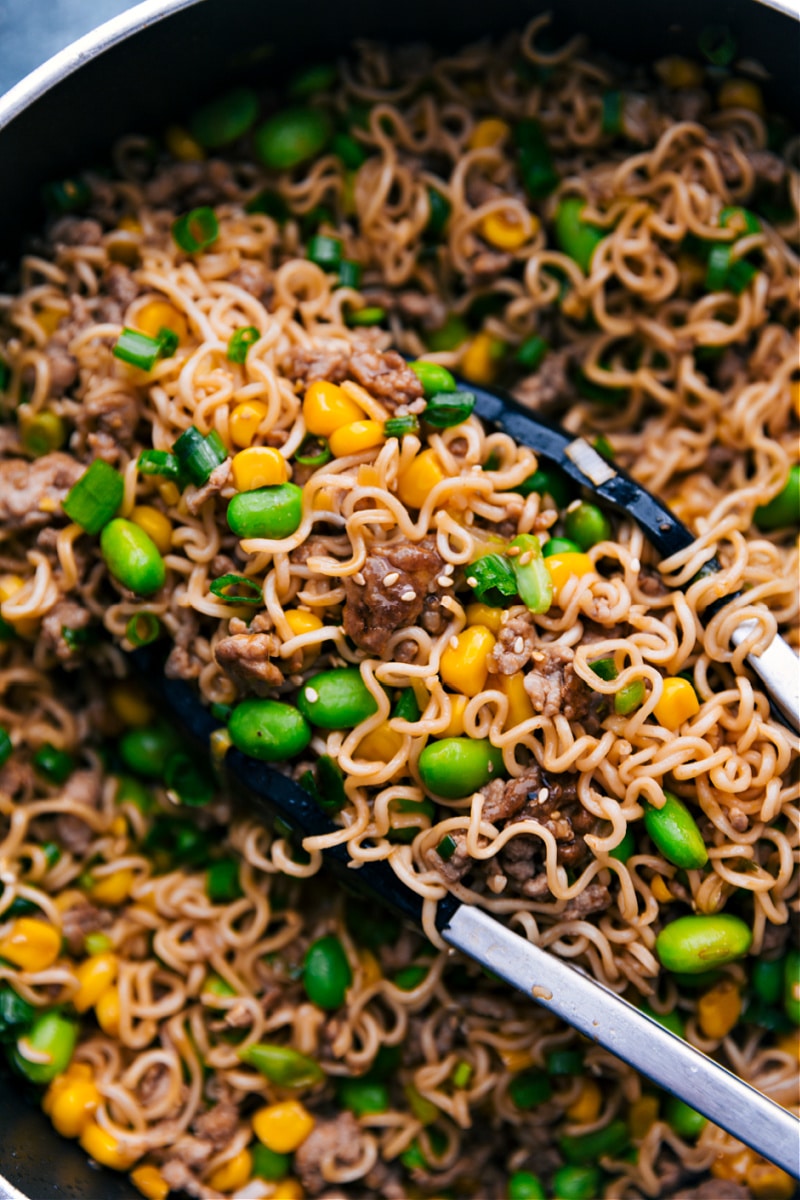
(32, 30)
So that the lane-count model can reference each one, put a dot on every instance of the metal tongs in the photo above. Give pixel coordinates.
(566, 990)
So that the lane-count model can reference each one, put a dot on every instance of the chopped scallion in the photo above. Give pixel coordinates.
(142, 629)
(314, 452)
(407, 707)
(139, 349)
(718, 45)
(612, 112)
(325, 785)
(240, 342)
(605, 669)
(531, 352)
(95, 498)
(535, 160)
(6, 746)
(196, 230)
(66, 195)
(371, 314)
(269, 203)
(448, 408)
(198, 455)
(462, 1073)
(351, 152)
(492, 578)
(188, 778)
(159, 462)
(168, 342)
(400, 426)
(55, 765)
(325, 251)
(349, 273)
(447, 847)
(248, 591)
(629, 698)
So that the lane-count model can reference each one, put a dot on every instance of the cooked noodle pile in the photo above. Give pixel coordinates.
(482, 677)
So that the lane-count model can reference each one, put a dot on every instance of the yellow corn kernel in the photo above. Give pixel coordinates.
(150, 1182)
(129, 224)
(520, 707)
(465, 666)
(31, 945)
(130, 705)
(719, 1009)
(156, 525)
(244, 421)
(678, 702)
(768, 1182)
(283, 1127)
(94, 976)
(9, 586)
(455, 726)
(642, 1115)
(48, 319)
(380, 744)
(586, 1108)
(483, 614)
(113, 889)
(660, 890)
(327, 408)
(795, 391)
(481, 358)
(356, 437)
(489, 132)
(73, 1106)
(219, 743)
(508, 229)
(234, 1173)
(419, 479)
(371, 972)
(169, 493)
(288, 1189)
(789, 1043)
(107, 1011)
(741, 93)
(182, 145)
(160, 314)
(68, 899)
(81, 1071)
(104, 1148)
(678, 72)
(258, 467)
(323, 501)
(563, 567)
(516, 1060)
(119, 826)
(301, 622)
(734, 1167)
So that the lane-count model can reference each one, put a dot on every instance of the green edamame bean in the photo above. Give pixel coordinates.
(147, 750)
(51, 1034)
(629, 698)
(693, 944)
(558, 545)
(672, 1021)
(131, 791)
(574, 236)
(268, 512)
(791, 993)
(132, 557)
(225, 119)
(292, 137)
(433, 377)
(685, 1121)
(674, 831)
(269, 730)
(583, 1149)
(269, 1164)
(327, 974)
(783, 510)
(409, 978)
(282, 1065)
(625, 849)
(524, 1185)
(222, 881)
(457, 767)
(767, 979)
(576, 1183)
(449, 336)
(587, 525)
(530, 1088)
(337, 699)
(363, 1096)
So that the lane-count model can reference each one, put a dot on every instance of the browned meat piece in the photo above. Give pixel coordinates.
(456, 866)
(119, 283)
(505, 797)
(712, 1189)
(31, 492)
(167, 186)
(181, 1179)
(487, 264)
(553, 686)
(253, 276)
(651, 583)
(515, 645)
(182, 661)
(305, 366)
(428, 309)
(153, 1085)
(386, 376)
(82, 788)
(594, 898)
(398, 579)
(687, 104)
(768, 166)
(63, 619)
(114, 413)
(246, 655)
(331, 1144)
(217, 480)
(80, 919)
(550, 385)
(63, 367)
(76, 231)
(218, 1124)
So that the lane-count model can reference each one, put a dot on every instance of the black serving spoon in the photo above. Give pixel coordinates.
(565, 990)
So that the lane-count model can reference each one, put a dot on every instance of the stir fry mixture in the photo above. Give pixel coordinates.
(238, 428)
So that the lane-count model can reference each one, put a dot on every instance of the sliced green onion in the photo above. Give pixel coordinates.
(718, 45)
(159, 462)
(251, 592)
(271, 204)
(222, 881)
(462, 1073)
(5, 375)
(198, 455)
(189, 779)
(325, 251)
(492, 462)
(319, 78)
(450, 336)
(196, 230)
(371, 314)
(95, 498)
(740, 274)
(535, 160)
(597, 391)
(612, 112)
(240, 342)
(725, 274)
(351, 152)
(282, 1065)
(447, 848)
(142, 629)
(168, 341)
(221, 712)
(6, 746)
(7, 631)
(603, 446)
(225, 119)
(399, 426)
(629, 698)
(605, 668)
(740, 220)
(320, 214)
(308, 457)
(531, 352)
(66, 195)
(74, 638)
(407, 707)
(439, 208)
(138, 349)
(534, 583)
(54, 764)
(326, 785)
(349, 273)
(492, 578)
(41, 433)
(547, 483)
(574, 236)
(448, 408)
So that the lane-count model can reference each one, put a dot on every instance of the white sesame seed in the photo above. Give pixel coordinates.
(454, 642)
(444, 581)
(409, 595)
(312, 695)
(418, 406)
(543, 794)
(525, 558)
(471, 580)
(359, 579)
(575, 504)
(636, 565)
(513, 551)
(449, 569)
(519, 645)
(391, 578)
